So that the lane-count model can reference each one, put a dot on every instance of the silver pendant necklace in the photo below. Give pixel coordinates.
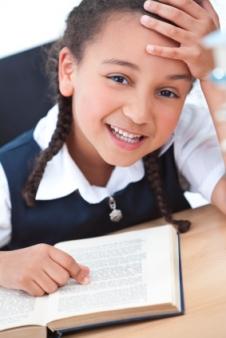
(116, 214)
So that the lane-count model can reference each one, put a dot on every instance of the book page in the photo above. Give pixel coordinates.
(127, 270)
(18, 308)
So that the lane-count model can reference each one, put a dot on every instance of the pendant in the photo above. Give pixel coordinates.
(116, 214)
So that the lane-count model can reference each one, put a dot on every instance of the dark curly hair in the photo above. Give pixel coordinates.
(84, 23)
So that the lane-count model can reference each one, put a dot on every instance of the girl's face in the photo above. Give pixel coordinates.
(126, 103)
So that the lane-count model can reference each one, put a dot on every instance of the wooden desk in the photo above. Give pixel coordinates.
(204, 275)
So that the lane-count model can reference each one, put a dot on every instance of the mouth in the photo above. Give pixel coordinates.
(125, 136)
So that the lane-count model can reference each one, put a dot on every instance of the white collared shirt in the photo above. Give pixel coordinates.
(197, 155)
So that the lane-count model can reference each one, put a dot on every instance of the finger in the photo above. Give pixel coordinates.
(186, 55)
(45, 282)
(175, 33)
(84, 274)
(210, 9)
(187, 6)
(34, 289)
(68, 263)
(168, 52)
(56, 272)
(173, 14)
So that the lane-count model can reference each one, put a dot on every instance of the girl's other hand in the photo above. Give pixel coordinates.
(193, 21)
(39, 269)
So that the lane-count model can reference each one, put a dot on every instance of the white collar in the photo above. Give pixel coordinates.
(62, 176)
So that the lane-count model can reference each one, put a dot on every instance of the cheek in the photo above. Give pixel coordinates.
(90, 110)
(93, 104)
(167, 122)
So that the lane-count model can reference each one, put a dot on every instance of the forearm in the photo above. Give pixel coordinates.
(215, 95)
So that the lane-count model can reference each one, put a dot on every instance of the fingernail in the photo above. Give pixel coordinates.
(145, 19)
(85, 281)
(150, 48)
(147, 4)
(84, 267)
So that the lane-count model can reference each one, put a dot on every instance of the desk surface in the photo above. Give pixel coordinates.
(204, 276)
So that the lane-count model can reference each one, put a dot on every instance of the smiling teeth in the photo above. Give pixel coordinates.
(123, 135)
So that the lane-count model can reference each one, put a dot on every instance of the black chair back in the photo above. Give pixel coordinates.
(24, 92)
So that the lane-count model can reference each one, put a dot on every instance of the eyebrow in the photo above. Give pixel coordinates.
(187, 77)
(131, 65)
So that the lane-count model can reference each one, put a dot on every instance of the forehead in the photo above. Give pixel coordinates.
(122, 36)
(130, 29)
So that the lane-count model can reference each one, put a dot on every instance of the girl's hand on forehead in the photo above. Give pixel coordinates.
(39, 269)
(193, 21)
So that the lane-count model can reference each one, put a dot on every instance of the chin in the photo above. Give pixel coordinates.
(121, 162)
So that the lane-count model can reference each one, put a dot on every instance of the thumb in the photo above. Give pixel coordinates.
(83, 275)
(77, 271)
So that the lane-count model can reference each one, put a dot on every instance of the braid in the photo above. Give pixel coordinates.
(154, 178)
(58, 138)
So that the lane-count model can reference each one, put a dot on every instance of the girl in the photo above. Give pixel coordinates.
(94, 163)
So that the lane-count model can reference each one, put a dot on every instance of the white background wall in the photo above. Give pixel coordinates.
(28, 23)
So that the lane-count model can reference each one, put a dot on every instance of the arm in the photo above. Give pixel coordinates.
(38, 269)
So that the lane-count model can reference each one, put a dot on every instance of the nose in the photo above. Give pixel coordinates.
(139, 110)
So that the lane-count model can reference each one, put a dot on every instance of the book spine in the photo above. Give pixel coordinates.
(54, 334)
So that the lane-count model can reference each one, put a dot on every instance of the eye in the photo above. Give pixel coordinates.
(119, 79)
(168, 93)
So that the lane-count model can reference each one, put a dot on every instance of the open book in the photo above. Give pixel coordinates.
(135, 275)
